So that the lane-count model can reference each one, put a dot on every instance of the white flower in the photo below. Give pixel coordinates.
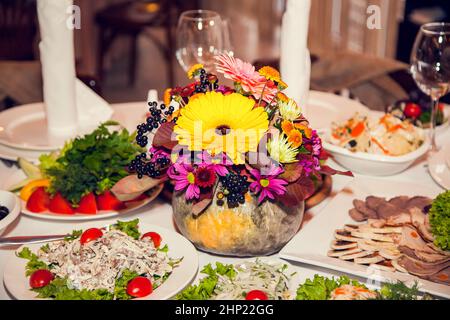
(289, 110)
(281, 150)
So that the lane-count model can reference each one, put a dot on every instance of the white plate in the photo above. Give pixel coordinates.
(19, 176)
(12, 202)
(312, 243)
(25, 128)
(12, 154)
(17, 283)
(324, 108)
(439, 167)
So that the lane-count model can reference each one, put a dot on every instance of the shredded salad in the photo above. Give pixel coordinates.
(386, 136)
(106, 264)
(241, 281)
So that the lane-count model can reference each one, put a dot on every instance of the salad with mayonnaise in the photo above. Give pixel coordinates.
(388, 135)
(114, 263)
(251, 280)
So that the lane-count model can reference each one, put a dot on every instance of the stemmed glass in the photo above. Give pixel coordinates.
(430, 66)
(200, 36)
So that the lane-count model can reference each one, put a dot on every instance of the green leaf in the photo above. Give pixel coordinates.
(131, 228)
(120, 289)
(74, 235)
(440, 220)
(33, 263)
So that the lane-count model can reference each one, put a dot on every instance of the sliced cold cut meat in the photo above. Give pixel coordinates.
(420, 268)
(442, 276)
(374, 202)
(356, 215)
(400, 202)
(418, 202)
(362, 207)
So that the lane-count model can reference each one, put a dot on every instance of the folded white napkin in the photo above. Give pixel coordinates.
(58, 68)
(295, 62)
(91, 108)
(71, 106)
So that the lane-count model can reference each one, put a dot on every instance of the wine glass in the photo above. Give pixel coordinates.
(430, 66)
(200, 36)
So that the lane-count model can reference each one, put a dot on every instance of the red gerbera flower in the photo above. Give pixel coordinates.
(205, 176)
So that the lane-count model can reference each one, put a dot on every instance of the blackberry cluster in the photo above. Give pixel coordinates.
(234, 189)
(158, 116)
(142, 167)
(207, 82)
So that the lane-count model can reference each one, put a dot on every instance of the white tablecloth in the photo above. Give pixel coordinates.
(160, 213)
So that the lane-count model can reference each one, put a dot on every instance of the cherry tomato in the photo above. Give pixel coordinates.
(139, 287)
(90, 235)
(256, 295)
(156, 238)
(412, 110)
(40, 278)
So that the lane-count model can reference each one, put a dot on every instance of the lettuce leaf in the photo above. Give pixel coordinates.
(320, 288)
(205, 288)
(33, 263)
(131, 228)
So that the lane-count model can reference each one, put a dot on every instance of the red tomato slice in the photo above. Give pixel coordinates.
(90, 235)
(40, 278)
(139, 287)
(87, 204)
(38, 201)
(156, 238)
(256, 295)
(60, 205)
(107, 201)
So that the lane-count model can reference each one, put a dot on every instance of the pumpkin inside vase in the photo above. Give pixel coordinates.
(247, 230)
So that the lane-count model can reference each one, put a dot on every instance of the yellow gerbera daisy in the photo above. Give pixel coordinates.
(281, 150)
(222, 123)
(193, 70)
(289, 110)
(270, 73)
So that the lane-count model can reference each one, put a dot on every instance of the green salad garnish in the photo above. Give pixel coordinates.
(440, 220)
(320, 288)
(131, 228)
(92, 163)
(204, 290)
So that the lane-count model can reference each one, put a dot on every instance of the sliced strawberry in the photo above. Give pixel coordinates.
(38, 201)
(107, 201)
(87, 204)
(60, 205)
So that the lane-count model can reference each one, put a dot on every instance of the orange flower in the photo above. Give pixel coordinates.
(305, 129)
(167, 96)
(282, 97)
(270, 73)
(295, 138)
(287, 126)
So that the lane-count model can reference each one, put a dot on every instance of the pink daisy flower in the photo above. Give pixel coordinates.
(218, 163)
(267, 186)
(184, 177)
(245, 74)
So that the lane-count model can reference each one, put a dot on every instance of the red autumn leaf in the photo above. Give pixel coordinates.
(292, 172)
(163, 136)
(298, 192)
(326, 170)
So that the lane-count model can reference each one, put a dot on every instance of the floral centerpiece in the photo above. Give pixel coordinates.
(242, 159)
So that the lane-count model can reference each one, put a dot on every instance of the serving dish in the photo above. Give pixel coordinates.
(312, 243)
(17, 283)
(19, 176)
(12, 202)
(373, 164)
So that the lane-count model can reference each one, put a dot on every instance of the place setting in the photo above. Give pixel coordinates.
(233, 179)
